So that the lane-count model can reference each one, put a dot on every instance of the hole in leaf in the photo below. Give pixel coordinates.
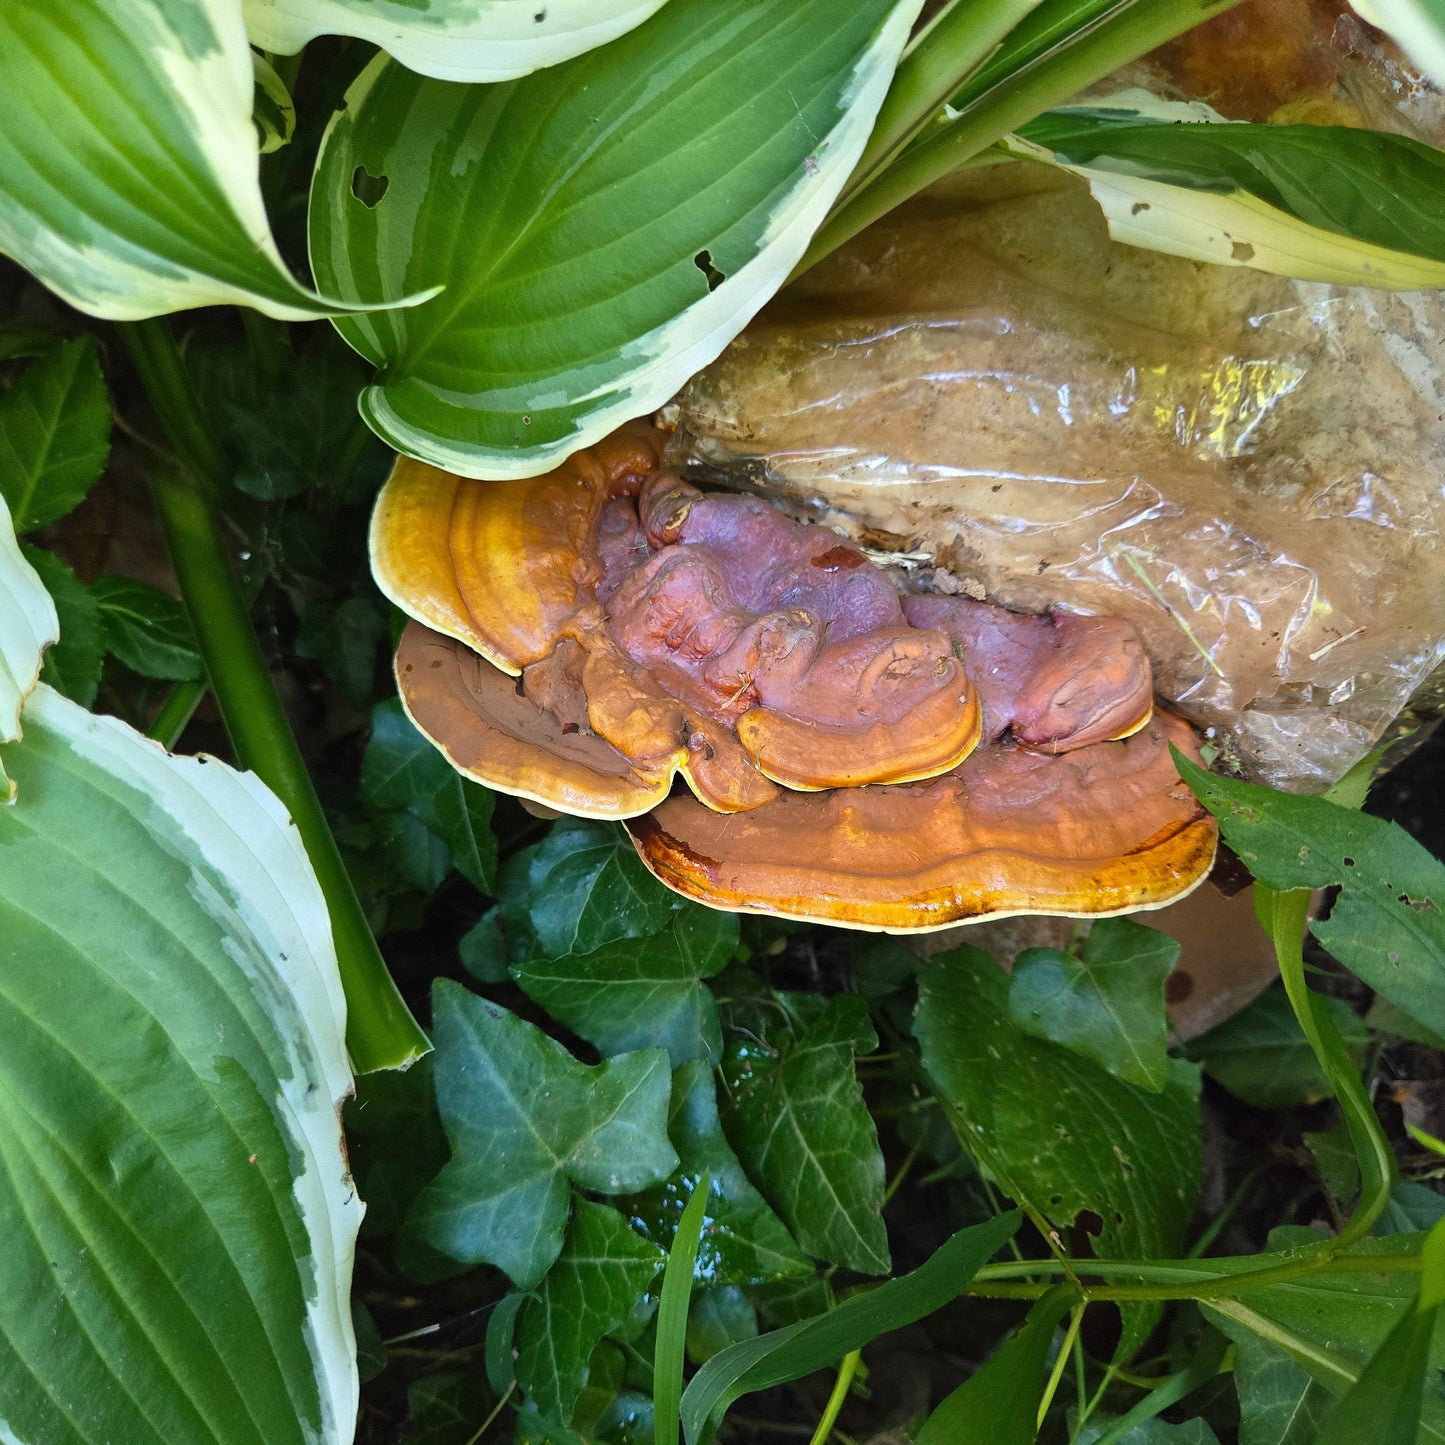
(1241, 251)
(367, 188)
(540, 16)
(1349, 862)
(703, 262)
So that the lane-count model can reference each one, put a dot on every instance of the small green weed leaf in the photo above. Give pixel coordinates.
(370, 1347)
(1413, 1207)
(501, 1355)
(446, 1409)
(73, 665)
(813, 1344)
(54, 433)
(525, 1121)
(1383, 1017)
(1388, 923)
(1110, 1006)
(603, 1269)
(1278, 1403)
(129, 166)
(504, 195)
(1055, 1130)
(720, 1316)
(1333, 1152)
(471, 40)
(1262, 1056)
(20, 337)
(147, 630)
(642, 993)
(178, 1221)
(402, 771)
(28, 624)
(794, 1111)
(745, 1242)
(1097, 1430)
(1323, 203)
(1000, 1402)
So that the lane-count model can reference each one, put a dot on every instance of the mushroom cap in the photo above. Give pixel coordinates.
(1107, 828)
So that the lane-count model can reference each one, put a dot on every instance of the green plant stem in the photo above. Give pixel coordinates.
(380, 1031)
(846, 1370)
(1005, 107)
(175, 713)
(1061, 1360)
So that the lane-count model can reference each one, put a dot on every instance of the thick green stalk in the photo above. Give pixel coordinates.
(176, 711)
(1008, 105)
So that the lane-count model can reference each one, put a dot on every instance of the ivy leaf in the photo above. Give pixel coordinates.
(148, 631)
(1053, 1129)
(446, 1409)
(54, 434)
(744, 1242)
(604, 1268)
(402, 771)
(1388, 924)
(1278, 1403)
(525, 1121)
(1110, 1006)
(1262, 1056)
(72, 665)
(642, 993)
(794, 1111)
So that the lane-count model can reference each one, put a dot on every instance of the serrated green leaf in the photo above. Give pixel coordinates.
(745, 1242)
(177, 1218)
(793, 1109)
(1109, 1007)
(642, 993)
(1278, 1403)
(526, 1121)
(470, 40)
(1054, 1129)
(588, 278)
(1262, 1056)
(799, 1349)
(603, 1269)
(1388, 923)
(1323, 203)
(28, 624)
(54, 433)
(129, 167)
(73, 664)
(401, 770)
(148, 631)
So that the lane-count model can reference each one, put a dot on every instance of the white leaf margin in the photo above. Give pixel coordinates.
(468, 40)
(28, 625)
(1417, 26)
(1235, 229)
(653, 368)
(212, 93)
(251, 872)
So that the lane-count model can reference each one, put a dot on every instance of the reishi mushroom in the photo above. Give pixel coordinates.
(583, 638)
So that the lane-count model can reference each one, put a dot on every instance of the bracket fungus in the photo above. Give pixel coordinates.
(850, 755)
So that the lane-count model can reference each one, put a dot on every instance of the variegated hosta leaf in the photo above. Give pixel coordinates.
(129, 177)
(453, 39)
(28, 625)
(1418, 26)
(177, 1219)
(603, 228)
(1319, 203)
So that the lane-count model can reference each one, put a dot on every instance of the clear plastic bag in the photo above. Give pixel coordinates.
(1249, 469)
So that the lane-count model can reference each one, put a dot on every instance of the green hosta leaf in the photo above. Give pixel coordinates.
(129, 166)
(1054, 1129)
(1387, 925)
(604, 228)
(642, 993)
(744, 1243)
(604, 1268)
(525, 1121)
(1323, 203)
(177, 1218)
(812, 1344)
(478, 40)
(1418, 26)
(1110, 1006)
(794, 1111)
(1278, 1403)
(54, 431)
(148, 631)
(402, 771)
(1000, 1403)
(1262, 1056)
(28, 624)
(73, 665)
(273, 111)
